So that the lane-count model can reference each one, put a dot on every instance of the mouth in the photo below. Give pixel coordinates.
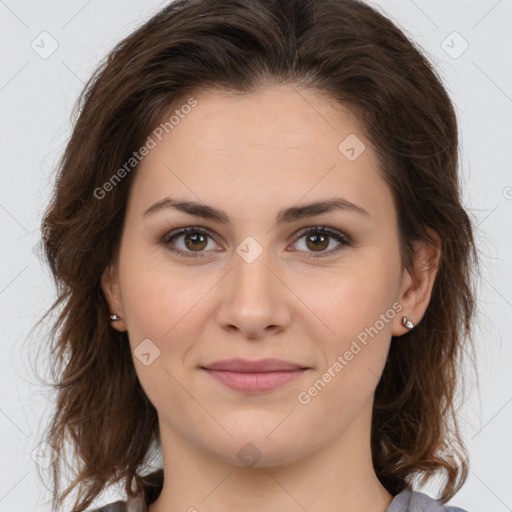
(254, 376)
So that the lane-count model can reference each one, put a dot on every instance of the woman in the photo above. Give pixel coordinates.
(264, 266)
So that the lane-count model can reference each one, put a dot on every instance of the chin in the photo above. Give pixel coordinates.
(255, 448)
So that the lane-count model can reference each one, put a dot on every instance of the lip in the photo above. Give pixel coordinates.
(247, 366)
(254, 376)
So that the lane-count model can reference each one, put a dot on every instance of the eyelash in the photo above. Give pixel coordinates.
(322, 230)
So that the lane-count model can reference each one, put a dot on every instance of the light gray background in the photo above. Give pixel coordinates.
(36, 98)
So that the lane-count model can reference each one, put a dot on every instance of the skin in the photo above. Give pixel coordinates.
(251, 156)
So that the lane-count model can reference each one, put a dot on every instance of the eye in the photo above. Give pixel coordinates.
(195, 241)
(319, 238)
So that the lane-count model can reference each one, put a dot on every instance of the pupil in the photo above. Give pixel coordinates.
(196, 238)
(322, 243)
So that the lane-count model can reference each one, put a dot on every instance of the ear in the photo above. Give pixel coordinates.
(112, 292)
(416, 288)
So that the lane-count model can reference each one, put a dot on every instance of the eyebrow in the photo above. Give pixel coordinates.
(284, 216)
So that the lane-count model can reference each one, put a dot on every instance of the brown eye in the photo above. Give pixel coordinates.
(194, 240)
(318, 239)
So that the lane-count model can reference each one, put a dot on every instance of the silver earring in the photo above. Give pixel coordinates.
(407, 323)
(115, 317)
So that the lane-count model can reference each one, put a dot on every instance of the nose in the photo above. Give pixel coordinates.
(256, 301)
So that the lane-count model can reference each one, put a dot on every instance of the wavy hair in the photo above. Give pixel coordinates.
(359, 58)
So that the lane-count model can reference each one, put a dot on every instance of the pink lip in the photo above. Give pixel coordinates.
(254, 376)
(246, 366)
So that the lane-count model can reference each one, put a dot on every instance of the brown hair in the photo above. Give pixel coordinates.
(359, 58)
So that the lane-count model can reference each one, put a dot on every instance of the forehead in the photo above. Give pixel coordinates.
(274, 116)
(272, 146)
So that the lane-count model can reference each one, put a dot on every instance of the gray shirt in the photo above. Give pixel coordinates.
(405, 501)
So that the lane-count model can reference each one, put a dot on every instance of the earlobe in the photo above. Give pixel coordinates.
(111, 290)
(417, 285)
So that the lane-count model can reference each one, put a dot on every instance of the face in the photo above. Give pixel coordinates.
(261, 274)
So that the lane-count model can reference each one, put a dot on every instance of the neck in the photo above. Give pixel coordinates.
(338, 476)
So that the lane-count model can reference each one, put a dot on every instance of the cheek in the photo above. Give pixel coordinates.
(348, 299)
(162, 307)
(169, 307)
(354, 357)
(160, 298)
(353, 319)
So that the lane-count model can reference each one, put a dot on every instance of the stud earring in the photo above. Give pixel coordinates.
(115, 317)
(407, 323)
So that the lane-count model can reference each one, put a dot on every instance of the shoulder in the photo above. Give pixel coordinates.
(423, 502)
(131, 505)
(414, 501)
(118, 506)
(151, 488)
